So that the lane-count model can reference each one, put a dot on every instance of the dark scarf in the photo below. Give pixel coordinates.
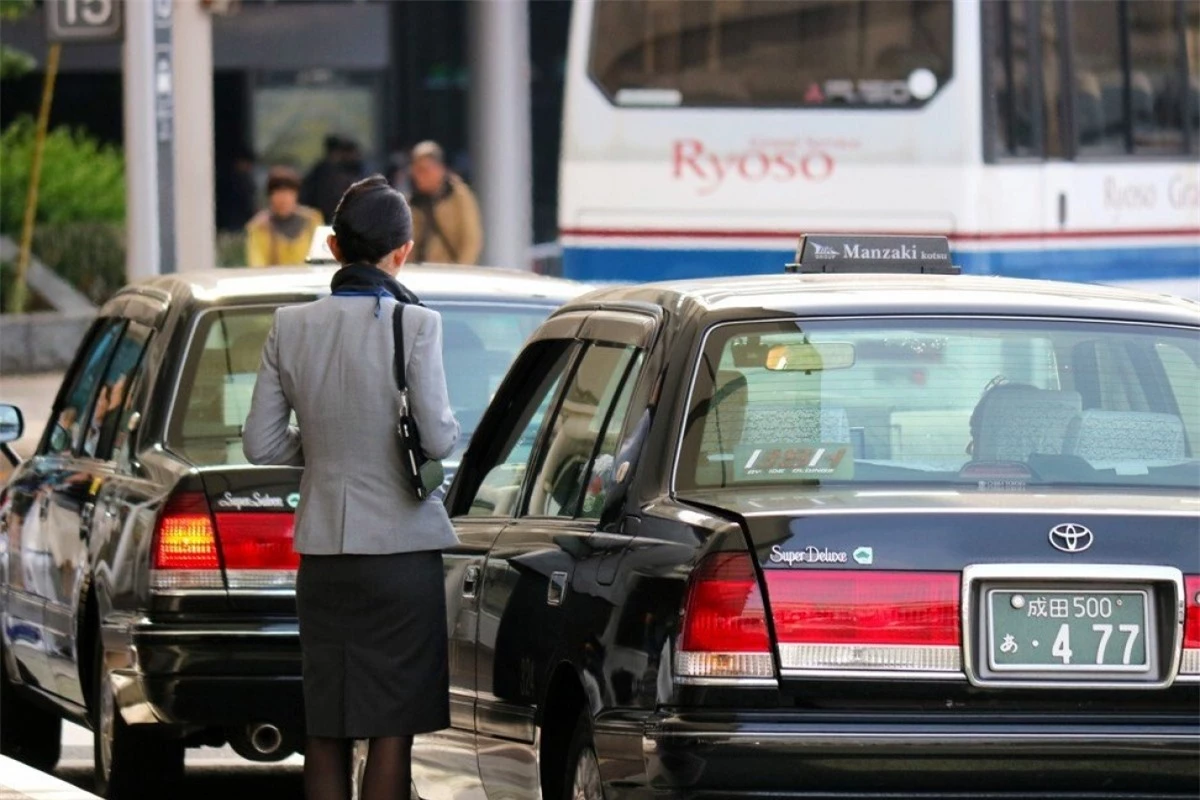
(364, 279)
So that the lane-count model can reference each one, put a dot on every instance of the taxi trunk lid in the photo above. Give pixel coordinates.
(958, 595)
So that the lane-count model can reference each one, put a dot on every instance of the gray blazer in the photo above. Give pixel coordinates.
(331, 362)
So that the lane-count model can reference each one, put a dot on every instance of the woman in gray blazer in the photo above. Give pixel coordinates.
(369, 590)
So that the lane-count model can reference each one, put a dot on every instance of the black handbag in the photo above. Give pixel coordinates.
(424, 474)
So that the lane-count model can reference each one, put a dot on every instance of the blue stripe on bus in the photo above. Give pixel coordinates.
(636, 264)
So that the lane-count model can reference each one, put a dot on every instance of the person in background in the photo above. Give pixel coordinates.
(446, 224)
(315, 190)
(280, 234)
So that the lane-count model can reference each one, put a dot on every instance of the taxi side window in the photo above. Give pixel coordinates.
(69, 420)
(565, 462)
(498, 493)
(114, 399)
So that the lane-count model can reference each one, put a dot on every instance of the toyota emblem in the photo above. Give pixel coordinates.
(1070, 538)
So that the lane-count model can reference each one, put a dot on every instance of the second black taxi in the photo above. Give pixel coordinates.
(863, 529)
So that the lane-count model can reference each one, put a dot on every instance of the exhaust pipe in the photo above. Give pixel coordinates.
(265, 738)
(260, 741)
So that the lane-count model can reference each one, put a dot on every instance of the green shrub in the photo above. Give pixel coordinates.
(90, 255)
(82, 180)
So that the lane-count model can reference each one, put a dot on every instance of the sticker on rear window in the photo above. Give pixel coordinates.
(788, 461)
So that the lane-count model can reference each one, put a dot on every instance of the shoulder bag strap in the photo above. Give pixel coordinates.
(398, 336)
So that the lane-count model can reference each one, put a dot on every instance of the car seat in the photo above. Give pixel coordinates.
(1107, 436)
(1014, 420)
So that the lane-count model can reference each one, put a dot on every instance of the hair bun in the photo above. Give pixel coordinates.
(372, 219)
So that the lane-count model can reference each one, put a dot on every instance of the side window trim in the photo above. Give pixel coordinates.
(635, 364)
(581, 349)
(144, 335)
(99, 328)
(469, 482)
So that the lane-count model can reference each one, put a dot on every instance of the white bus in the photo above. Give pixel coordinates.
(1046, 139)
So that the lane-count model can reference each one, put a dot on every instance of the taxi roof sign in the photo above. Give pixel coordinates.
(318, 248)
(898, 254)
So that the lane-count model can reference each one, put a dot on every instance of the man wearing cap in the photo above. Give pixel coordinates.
(446, 226)
(280, 234)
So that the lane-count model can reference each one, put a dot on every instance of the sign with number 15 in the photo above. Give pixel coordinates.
(83, 20)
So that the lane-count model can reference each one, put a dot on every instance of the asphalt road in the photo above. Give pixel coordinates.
(211, 773)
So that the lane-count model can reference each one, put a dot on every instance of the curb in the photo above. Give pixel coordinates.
(21, 782)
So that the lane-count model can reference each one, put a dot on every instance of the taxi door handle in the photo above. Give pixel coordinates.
(471, 581)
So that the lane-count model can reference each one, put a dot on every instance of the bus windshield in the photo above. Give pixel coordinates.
(771, 52)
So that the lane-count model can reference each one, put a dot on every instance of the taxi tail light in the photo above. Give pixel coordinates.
(866, 621)
(184, 554)
(191, 544)
(1191, 626)
(724, 631)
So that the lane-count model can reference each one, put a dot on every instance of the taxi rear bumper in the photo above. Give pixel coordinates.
(736, 755)
(212, 676)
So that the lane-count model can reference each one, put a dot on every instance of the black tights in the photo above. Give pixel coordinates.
(328, 764)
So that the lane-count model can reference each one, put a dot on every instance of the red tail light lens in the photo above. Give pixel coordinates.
(857, 620)
(843, 607)
(1191, 626)
(258, 549)
(185, 546)
(724, 622)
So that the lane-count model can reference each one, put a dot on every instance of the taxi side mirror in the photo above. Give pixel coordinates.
(12, 424)
(12, 428)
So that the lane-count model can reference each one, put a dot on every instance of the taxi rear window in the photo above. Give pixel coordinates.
(479, 340)
(1001, 404)
(218, 383)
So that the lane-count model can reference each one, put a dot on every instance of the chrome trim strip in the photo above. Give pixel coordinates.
(739, 683)
(922, 737)
(899, 316)
(189, 592)
(1057, 574)
(154, 633)
(1103, 512)
(874, 674)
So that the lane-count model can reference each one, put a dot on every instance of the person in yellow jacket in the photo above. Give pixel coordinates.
(446, 226)
(280, 234)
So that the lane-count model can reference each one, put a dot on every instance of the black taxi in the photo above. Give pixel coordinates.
(866, 528)
(146, 570)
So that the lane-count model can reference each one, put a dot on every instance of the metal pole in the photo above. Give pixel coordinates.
(195, 213)
(501, 138)
(164, 119)
(141, 151)
(16, 303)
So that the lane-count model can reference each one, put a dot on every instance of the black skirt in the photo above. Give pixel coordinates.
(374, 644)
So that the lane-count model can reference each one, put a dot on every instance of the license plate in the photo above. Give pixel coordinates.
(1069, 631)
